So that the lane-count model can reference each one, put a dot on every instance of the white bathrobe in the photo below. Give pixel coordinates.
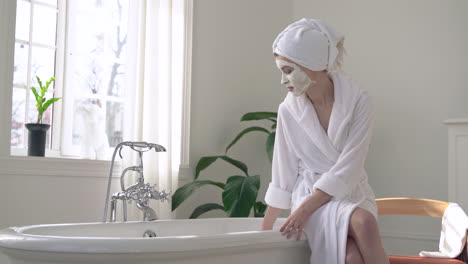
(307, 158)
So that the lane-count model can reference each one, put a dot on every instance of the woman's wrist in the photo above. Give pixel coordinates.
(271, 214)
(308, 207)
(315, 201)
(266, 226)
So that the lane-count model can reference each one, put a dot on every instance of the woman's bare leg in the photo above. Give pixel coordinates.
(353, 256)
(364, 230)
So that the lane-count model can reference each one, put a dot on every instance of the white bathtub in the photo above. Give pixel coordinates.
(213, 240)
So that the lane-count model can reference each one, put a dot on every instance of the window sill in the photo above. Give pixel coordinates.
(55, 166)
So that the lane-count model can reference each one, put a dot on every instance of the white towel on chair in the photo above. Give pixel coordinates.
(453, 235)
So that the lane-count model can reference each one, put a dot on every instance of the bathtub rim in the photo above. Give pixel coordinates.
(14, 238)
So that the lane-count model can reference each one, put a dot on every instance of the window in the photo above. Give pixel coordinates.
(34, 55)
(88, 57)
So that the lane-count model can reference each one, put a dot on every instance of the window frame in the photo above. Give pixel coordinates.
(7, 50)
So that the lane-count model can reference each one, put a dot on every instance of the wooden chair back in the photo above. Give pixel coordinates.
(414, 206)
(411, 206)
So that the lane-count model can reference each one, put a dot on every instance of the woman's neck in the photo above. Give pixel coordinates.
(322, 93)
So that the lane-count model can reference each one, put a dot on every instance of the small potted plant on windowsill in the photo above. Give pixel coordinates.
(38, 131)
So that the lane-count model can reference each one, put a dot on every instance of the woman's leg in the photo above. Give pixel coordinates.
(353, 256)
(363, 228)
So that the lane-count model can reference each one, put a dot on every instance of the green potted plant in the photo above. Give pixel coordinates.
(37, 131)
(239, 193)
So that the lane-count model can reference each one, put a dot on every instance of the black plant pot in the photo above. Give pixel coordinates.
(37, 139)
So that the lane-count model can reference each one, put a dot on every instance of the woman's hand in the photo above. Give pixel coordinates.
(297, 220)
(295, 223)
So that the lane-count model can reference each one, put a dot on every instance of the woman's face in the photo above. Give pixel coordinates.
(292, 76)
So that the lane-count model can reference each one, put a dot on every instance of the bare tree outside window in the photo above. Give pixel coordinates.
(101, 66)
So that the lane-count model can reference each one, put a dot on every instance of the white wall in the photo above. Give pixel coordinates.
(233, 72)
(35, 190)
(412, 56)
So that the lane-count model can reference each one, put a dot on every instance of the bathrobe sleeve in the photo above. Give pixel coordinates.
(348, 170)
(284, 165)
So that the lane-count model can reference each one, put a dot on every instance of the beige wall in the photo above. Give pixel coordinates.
(412, 56)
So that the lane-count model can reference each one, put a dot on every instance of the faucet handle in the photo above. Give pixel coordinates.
(145, 192)
(162, 195)
(158, 195)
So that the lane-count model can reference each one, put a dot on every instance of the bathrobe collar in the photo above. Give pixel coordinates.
(346, 92)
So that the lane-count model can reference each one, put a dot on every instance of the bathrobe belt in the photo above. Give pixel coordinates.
(310, 177)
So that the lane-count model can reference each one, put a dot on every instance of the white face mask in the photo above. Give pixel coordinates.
(296, 78)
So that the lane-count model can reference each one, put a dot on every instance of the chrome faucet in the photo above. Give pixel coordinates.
(139, 192)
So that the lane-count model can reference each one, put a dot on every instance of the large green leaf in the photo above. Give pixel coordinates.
(259, 116)
(239, 164)
(259, 209)
(239, 195)
(185, 191)
(205, 208)
(204, 162)
(245, 131)
(270, 144)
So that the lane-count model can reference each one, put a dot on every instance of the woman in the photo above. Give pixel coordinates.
(322, 138)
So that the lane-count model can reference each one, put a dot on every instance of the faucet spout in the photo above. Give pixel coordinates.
(148, 213)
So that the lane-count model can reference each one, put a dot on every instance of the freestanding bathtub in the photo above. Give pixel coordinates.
(211, 240)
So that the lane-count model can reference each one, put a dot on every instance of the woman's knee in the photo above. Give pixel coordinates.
(353, 256)
(362, 222)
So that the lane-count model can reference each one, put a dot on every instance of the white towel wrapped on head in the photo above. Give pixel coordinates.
(312, 44)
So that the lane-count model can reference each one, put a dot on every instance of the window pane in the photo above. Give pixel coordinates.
(96, 72)
(114, 123)
(98, 35)
(44, 25)
(117, 81)
(49, 2)
(23, 15)
(21, 64)
(89, 123)
(18, 115)
(77, 124)
(42, 65)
